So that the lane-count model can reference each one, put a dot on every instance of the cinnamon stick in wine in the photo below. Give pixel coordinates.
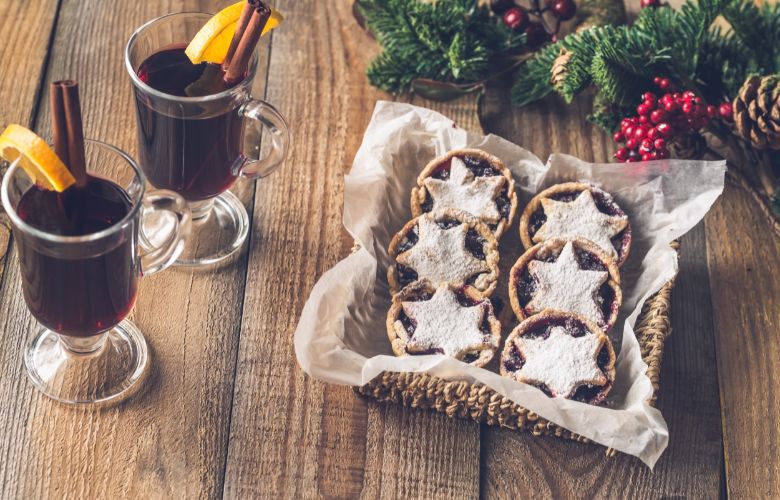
(67, 128)
(247, 41)
(241, 25)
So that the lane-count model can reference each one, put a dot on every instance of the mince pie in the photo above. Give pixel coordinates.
(470, 180)
(446, 246)
(452, 320)
(577, 210)
(572, 276)
(564, 355)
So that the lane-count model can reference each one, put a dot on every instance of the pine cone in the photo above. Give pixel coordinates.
(689, 146)
(558, 71)
(757, 111)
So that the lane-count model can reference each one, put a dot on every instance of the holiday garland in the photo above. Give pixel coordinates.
(720, 92)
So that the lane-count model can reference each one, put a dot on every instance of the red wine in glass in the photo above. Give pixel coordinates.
(195, 156)
(85, 293)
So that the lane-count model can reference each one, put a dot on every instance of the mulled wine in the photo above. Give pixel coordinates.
(87, 292)
(196, 156)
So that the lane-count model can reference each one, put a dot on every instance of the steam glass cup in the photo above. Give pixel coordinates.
(81, 288)
(199, 146)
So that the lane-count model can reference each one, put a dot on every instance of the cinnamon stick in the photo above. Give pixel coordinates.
(67, 128)
(239, 62)
(243, 21)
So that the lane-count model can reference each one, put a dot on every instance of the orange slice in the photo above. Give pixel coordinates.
(212, 42)
(37, 159)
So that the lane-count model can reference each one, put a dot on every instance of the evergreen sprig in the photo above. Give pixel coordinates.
(446, 40)
(683, 44)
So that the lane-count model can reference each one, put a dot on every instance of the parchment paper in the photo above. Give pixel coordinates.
(341, 336)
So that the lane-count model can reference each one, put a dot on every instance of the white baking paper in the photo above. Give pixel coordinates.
(341, 336)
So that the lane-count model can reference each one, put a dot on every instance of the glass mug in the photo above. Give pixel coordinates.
(81, 288)
(195, 146)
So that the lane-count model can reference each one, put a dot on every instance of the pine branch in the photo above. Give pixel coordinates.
(447, 40)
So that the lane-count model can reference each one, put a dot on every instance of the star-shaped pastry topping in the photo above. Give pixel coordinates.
(440, 255)
(580, 218)
(564, 286)
(561, 362)
(465, 191)
(443, 323)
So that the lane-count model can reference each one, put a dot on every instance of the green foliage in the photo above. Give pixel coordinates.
(682, 44)
(447, 40)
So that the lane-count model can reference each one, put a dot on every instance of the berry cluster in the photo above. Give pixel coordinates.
(661, 120)
(533, 20)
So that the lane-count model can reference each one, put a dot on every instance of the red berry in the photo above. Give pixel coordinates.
(625, 123)
(535, 34)
(501, 6)
(657, 116)
(652, 134)
(670, 105)
(662, 153)
(656, 80)
(688, 95)
(647, 144)
(516, 19)
(621, 154)
(618, 136)
(687, 108)
(644, 120)
(648, 156)
(632, 143)
(564, 9)
(659, 144)
(665, 83)
(725, 111)
(712, 111)
(643, 109)
(649, 98)
(640, 132)
(664, 129)
(629, 131)
(650, 3)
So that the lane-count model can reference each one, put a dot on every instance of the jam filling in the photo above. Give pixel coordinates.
(480, 168)
(514, 361)
(604, 203)
(475, 244)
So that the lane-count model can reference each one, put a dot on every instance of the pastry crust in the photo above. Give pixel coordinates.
(485, 284)
(421, 288)
(420, 192)
(553, 247)
(574, 188)
(551, 317)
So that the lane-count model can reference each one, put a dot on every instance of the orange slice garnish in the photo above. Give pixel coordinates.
(37, 159)
(212, 42)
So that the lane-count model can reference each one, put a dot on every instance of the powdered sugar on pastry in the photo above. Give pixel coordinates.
(465, 191)
(564, 286)
(580, 218)
(560, 361)
(443, 323)
(440, 255)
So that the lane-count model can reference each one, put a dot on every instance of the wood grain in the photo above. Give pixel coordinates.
(545, 467)
(743, 257)
(290, 435)
(24, 46)
(172, 439)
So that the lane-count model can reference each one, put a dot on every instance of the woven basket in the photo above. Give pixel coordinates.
(481, 404)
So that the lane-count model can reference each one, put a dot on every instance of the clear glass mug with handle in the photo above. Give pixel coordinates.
(199, 146)
(81, 288)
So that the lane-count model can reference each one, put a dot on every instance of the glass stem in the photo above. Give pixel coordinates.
(83, 345)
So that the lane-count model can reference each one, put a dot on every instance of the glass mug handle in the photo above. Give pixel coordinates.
(170, 232)
(260, 115)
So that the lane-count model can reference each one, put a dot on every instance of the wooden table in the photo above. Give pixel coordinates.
(227, 411)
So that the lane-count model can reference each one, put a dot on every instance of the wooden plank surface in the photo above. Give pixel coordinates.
(743, 263)
(24, 46)
(290, 435)
(546, 467)
(172, 439)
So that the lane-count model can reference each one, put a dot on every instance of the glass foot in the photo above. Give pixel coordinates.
(219, 228)
(101, 369)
